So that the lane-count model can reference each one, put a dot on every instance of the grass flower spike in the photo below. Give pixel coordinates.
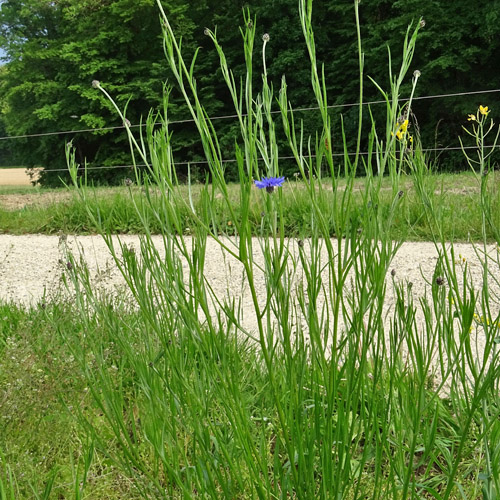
(269, 183)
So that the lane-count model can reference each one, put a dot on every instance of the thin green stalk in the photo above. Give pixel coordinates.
(361, 63)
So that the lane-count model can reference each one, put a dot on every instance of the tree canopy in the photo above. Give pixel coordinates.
(54, 49)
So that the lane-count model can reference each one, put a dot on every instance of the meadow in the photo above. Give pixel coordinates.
(164, 392)
(30, 210)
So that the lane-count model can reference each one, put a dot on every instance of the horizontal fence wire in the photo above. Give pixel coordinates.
(205, 162)
(227, 117)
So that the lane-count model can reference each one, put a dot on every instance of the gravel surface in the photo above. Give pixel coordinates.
(32, 265)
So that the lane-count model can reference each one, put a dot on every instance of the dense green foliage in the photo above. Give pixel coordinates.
(55, 49)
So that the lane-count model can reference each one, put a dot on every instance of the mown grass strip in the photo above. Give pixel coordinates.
(457, 195)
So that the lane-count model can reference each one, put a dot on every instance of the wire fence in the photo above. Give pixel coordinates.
(234, 116)
(205, 162)
(227, 117)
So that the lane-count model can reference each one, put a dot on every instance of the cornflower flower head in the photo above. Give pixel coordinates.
(269, 183)
(483, 110)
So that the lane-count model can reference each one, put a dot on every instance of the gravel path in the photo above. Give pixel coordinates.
(32, 265)
(31, 268)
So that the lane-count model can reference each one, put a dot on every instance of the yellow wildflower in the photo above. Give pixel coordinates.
(483, 110)
(472, 118)
(411, 139)
(402, 128)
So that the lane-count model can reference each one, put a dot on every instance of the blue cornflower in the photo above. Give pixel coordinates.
(269, 183)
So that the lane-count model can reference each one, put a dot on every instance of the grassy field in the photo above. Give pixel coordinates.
(51, 211)
(101, 399)
(43, 389)
(59, 439)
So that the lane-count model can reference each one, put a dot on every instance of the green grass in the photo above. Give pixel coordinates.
(456, 195)
(21, 190)
(47, 410)
(44, 401)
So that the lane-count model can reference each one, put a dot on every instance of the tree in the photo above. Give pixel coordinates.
(56, 48)
(456, 53)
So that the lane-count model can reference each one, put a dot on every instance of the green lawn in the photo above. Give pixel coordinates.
(456, 196)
